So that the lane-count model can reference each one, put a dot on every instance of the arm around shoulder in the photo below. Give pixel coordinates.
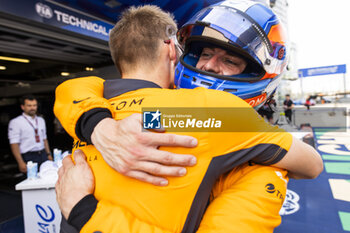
(302, 161)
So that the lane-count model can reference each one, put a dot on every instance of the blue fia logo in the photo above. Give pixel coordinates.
(151, 120)
(43, 10)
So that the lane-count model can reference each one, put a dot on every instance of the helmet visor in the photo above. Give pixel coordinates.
(231, 26)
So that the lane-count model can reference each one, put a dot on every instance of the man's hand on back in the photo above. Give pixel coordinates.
(74, 182)
(134, 152)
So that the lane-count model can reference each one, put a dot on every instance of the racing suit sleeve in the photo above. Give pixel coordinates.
(91, 216)
(79, 103)
(248, 200)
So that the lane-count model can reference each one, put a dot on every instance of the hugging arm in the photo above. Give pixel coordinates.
(123, 144)
(302, 161)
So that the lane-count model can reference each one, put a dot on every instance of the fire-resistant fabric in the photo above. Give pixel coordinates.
(221, 193)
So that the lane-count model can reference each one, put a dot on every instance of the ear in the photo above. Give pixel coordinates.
(22, 107)
(172, 51)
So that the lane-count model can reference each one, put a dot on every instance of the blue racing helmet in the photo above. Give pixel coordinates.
(246, 29)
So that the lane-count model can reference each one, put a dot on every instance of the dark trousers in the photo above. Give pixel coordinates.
(288, 114)
(35, 156)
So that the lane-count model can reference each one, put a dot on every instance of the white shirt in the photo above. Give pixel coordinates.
(22, 132)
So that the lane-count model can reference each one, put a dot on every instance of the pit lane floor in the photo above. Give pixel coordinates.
(322, 205)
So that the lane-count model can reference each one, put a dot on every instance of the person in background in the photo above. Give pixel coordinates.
(267, 110)
(288, 106)
(27, 135)
(308, 103)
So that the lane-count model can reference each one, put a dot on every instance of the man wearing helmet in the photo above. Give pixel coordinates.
(185, 199)
(248, 30)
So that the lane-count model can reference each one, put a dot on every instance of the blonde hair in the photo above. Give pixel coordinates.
(136, 37)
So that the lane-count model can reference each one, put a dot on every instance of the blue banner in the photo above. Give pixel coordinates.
(110, 10)
(324, 70)
(57, 16)
(94, 18)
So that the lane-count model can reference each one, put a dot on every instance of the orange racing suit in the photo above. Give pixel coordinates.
(243, 197)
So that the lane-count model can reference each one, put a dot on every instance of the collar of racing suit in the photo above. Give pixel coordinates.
(116, 87)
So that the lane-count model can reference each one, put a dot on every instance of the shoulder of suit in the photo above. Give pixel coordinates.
(91, 77)
(17, 118)
(41, 118)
